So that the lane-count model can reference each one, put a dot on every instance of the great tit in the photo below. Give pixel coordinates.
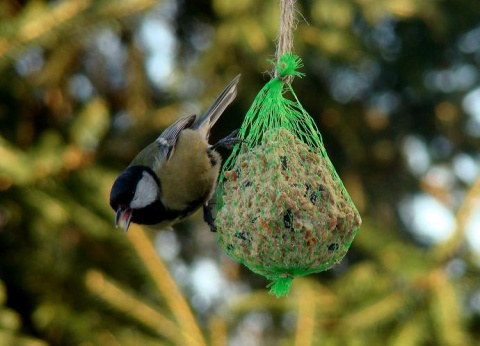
(175, 175)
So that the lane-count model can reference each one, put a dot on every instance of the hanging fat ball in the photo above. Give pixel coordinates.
(282, 209)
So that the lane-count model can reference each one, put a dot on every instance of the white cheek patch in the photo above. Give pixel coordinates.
(146, 192)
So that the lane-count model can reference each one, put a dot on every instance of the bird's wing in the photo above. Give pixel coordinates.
(210, 117)
(164, 146)
(167, 140)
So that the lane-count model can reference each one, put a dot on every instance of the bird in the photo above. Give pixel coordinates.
(175, 175)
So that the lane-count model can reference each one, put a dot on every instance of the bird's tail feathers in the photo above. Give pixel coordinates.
(210, 117)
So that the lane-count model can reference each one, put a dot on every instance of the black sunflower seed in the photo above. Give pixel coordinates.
(247, 183)
(242, 236)
(333, 247)
(288, 219)
(283, 159)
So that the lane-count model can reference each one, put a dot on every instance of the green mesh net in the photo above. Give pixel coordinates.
(282, 209)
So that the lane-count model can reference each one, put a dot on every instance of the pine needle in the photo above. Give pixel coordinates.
(166, 286)
(118, 298)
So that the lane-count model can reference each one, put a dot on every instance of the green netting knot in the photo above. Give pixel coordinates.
(280, 287)
(287, 65)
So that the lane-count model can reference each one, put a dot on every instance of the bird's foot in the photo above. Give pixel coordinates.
(229, 141)
(208, 217)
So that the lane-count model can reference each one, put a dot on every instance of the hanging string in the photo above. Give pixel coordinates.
(285, 31)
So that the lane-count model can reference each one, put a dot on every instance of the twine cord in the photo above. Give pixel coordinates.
(285, 31)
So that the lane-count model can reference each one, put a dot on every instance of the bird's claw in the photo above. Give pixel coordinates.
(229, 141)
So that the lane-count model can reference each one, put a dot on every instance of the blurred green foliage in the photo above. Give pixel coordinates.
(82, 91)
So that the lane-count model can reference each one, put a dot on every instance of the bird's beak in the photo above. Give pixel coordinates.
(123, 217)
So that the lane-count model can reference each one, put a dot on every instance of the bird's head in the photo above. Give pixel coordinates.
(136, 188)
